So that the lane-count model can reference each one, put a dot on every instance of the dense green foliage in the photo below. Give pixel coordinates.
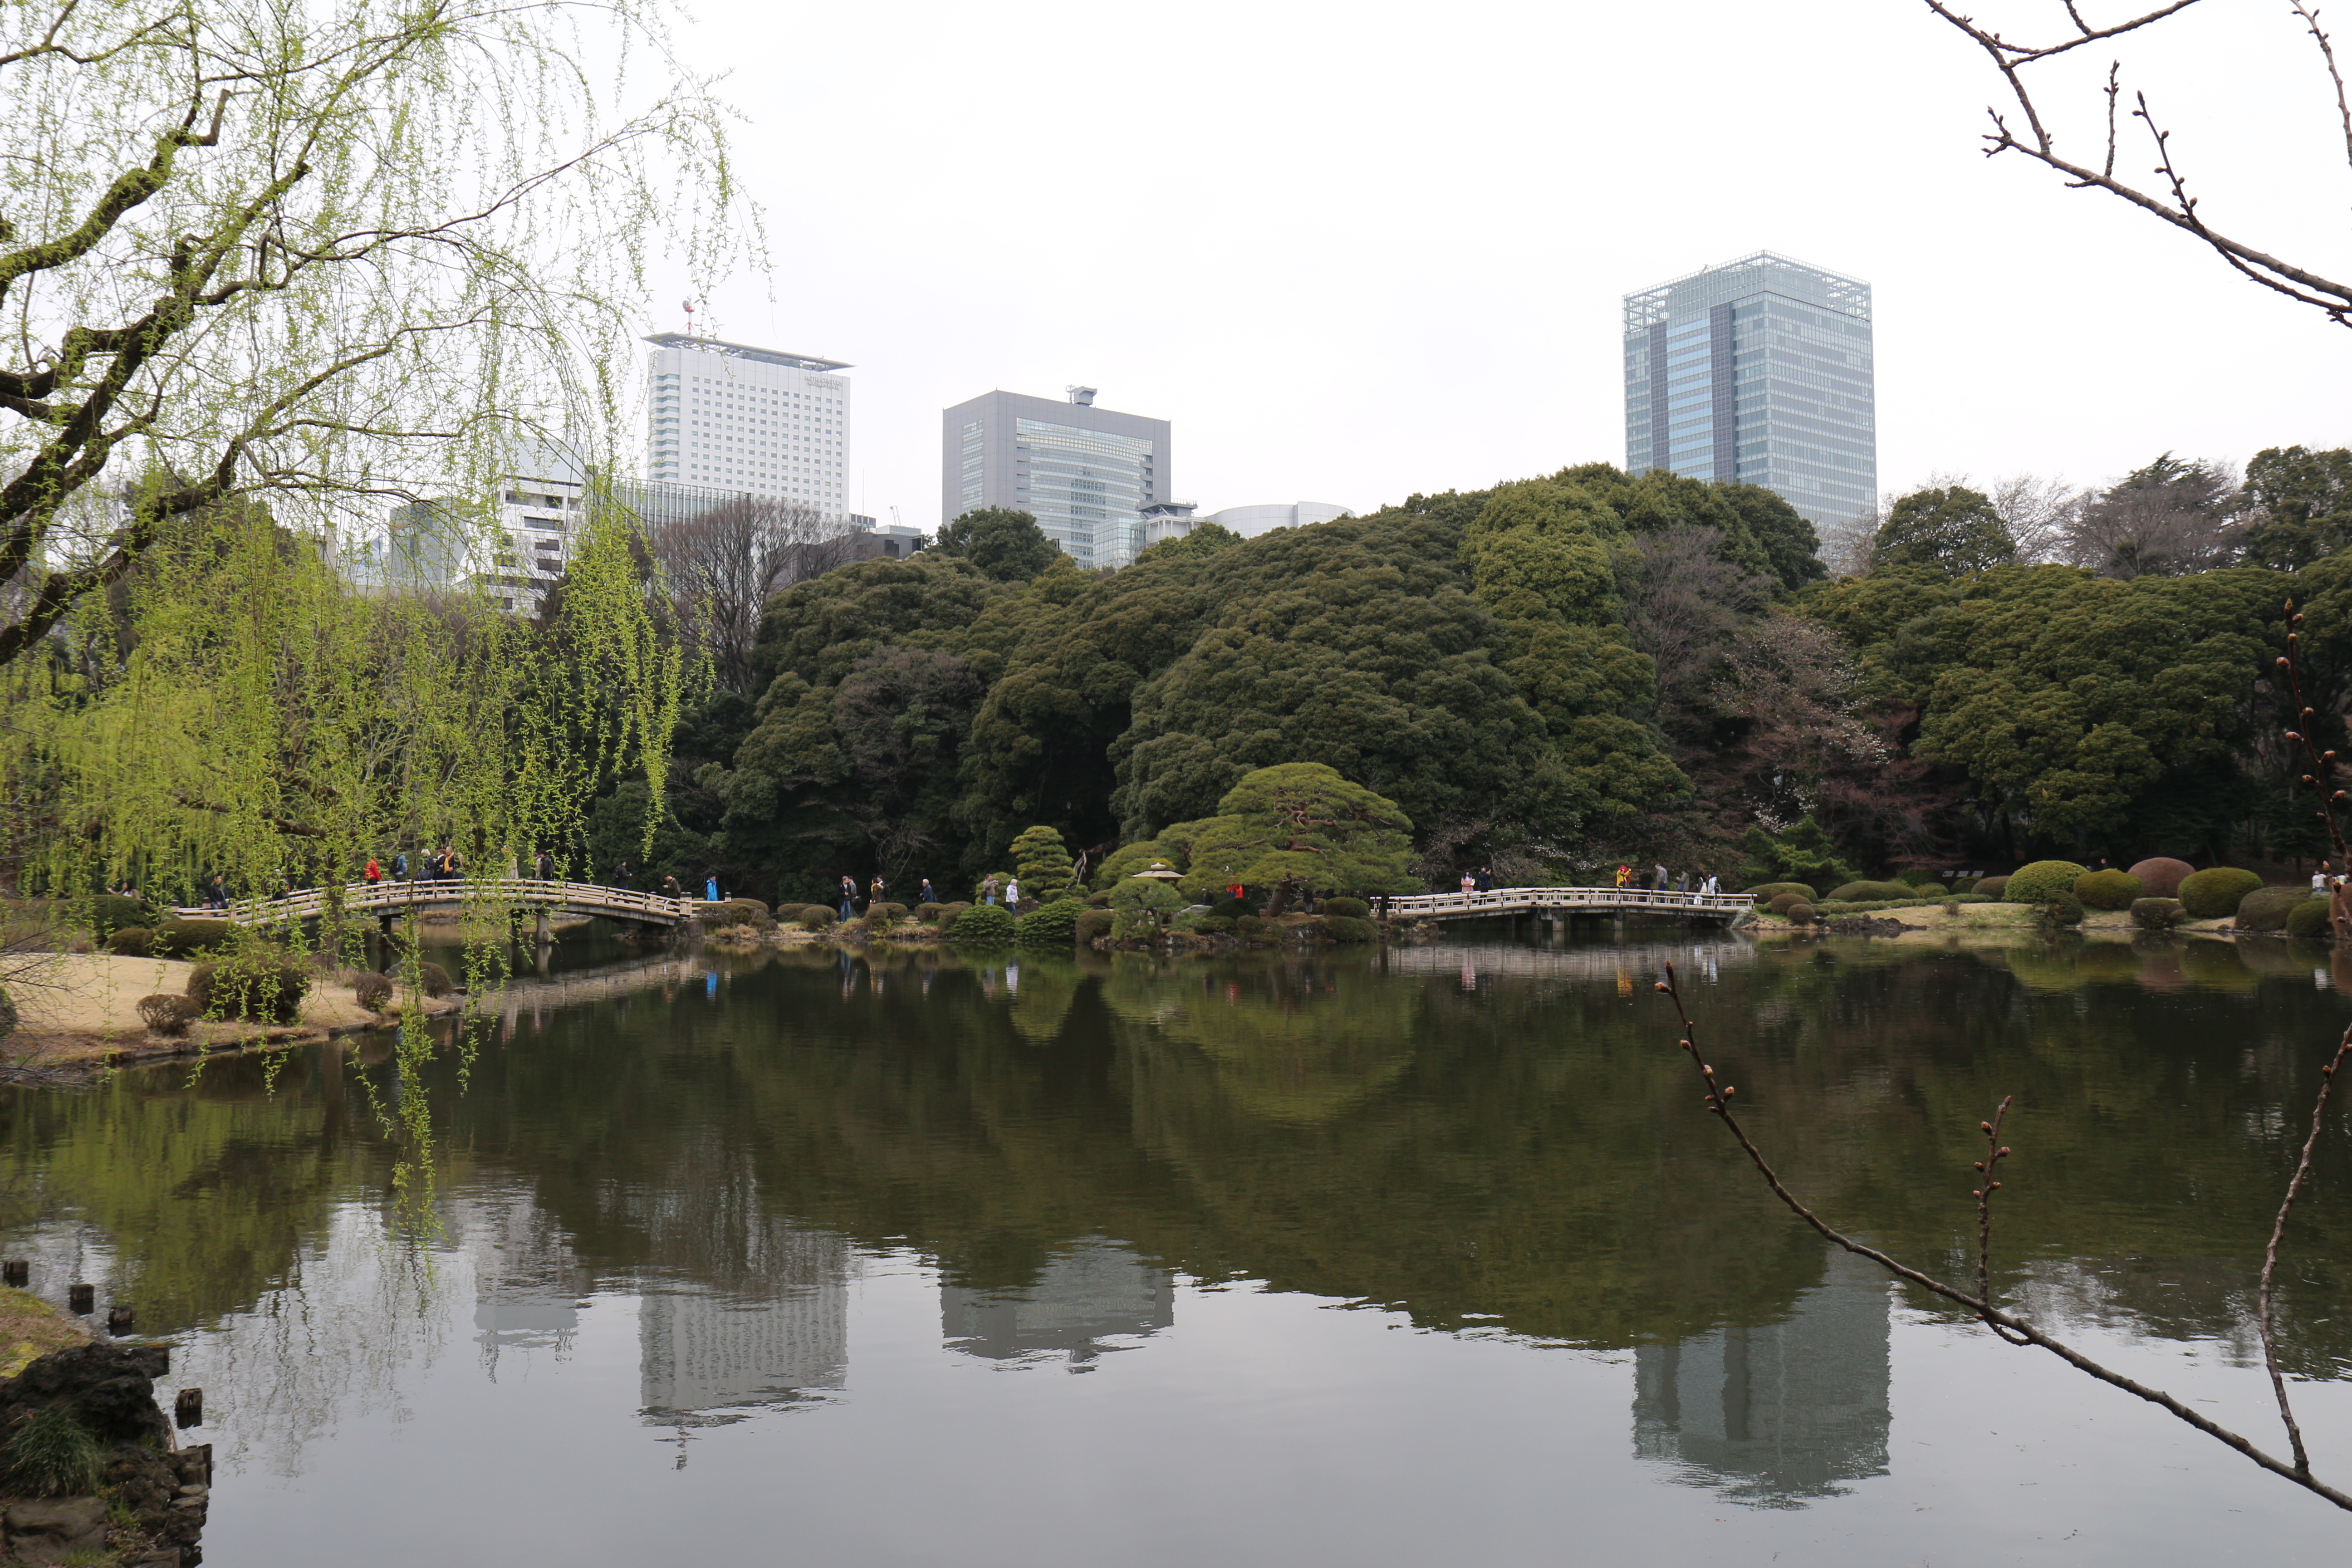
(1050, 925)
(2059, 907)
(982, 925)
(1802, 856)
(1005, 544)
(1042, 862)
(2212, 894)
(2108, 889)
(2156, 914)
(2029, 884)
(1951, 531)
(2309, 919)
(2266, 908)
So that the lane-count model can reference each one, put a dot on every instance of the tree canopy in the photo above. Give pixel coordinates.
(1952, 530)
(1004, 544)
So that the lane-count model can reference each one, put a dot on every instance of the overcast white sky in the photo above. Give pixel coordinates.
(1357, 251)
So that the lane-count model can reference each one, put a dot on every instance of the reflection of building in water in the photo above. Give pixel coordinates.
(1779, 1413)
(707, 1358)
(1097, 1290)
(528, 1283)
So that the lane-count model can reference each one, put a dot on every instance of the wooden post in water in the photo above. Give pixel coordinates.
(188, 1410)
(121, 1319)
(81, 1301)
(16, 1272)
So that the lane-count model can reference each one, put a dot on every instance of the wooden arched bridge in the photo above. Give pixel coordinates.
(495, 897)
(1728, 908)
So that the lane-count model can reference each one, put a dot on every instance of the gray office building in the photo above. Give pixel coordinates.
(1760, 371)
(1085, 473)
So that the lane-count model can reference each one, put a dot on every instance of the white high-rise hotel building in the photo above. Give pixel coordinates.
(733, 417)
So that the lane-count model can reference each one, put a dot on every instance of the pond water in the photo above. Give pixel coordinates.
(1380, 1258)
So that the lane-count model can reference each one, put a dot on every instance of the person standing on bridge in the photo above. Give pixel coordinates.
(1624, 874)
(544, 866)
(1469, 883)
(1486, 879)
(373, 874)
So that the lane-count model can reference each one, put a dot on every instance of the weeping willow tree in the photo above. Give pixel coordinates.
(269, 269)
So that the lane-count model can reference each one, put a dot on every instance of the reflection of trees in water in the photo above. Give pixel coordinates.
(1525, 1147)
(1093, 1292)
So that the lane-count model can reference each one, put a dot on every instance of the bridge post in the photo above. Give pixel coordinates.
(540, 933)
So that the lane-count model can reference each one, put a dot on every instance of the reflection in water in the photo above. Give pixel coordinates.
(1095, 1292)
(1781, 1413)
(708, 1360)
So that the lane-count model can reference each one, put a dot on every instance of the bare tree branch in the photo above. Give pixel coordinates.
(2174, 205)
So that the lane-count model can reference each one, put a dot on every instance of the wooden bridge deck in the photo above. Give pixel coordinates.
(496, 896)
(1728, 908)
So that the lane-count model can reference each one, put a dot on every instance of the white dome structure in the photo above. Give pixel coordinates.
(1249, 521)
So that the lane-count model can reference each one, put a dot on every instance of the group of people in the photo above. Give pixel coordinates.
(877, 891)
(1657, 881)
(442, 865)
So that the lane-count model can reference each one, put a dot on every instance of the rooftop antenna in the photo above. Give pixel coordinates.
(689, 317)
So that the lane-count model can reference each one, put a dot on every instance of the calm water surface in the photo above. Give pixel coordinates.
(1429, 1256)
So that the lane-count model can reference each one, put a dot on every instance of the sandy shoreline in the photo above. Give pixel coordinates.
(83, 1009)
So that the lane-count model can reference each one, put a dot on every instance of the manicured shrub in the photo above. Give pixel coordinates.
(948, 912)
(2265, 908)
(1093, 925)
(2107, 890)
(2062, 908)
(1961, 884)
(185, 939)
(884, 914)
(1347, 909)
(982, 925)
(1050, 925)
(1799, 914)
(1993, 888)
(165, 1014)
(1919, 877)
(2034, 882)
(1765, 892)
(2309, 919)
(1869, 892)
(1097, 901)
(131, 942)
(110, 912)
(2156, 914)
(1225, 908)
(738, 912)
(372, 991)
(1783, 902)
(434, 978)
(265, 987)
(1350, 928)
(1141, 907)
(2160, 877)
(1256, 927)
(928, 914)
(816, 917)
(2212, 894)
(1218, 925)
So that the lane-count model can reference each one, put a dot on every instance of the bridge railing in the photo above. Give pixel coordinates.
(500, 892)
(1518, 901)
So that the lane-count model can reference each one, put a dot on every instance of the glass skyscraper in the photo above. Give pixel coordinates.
(1760, 371)
(1085, 473)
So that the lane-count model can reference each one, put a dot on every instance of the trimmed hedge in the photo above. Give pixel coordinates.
(2211, 894)
(1781, 902)
(372, 990)
(2160, 877)
(982, 925)
(184, 939)
(2061, 907)
(111, 912)
(434, 978)
(2034, 882)
(2265, 908)
(816, 917)
(948, 913)
(884, 914)
(2309, 919)
(1800, 914)
(1347, 910)
(265, 987)
(2107, 890)
(2156, 914)
(131, 942)
(1993, 888)
(1961, 884)
(1868, 906)
(1350, 928)
(1870, 892)
(165, 1014)
(1050, 925)
(1765, 892)
(928, 913)
(738, 912)
(1093, 925)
